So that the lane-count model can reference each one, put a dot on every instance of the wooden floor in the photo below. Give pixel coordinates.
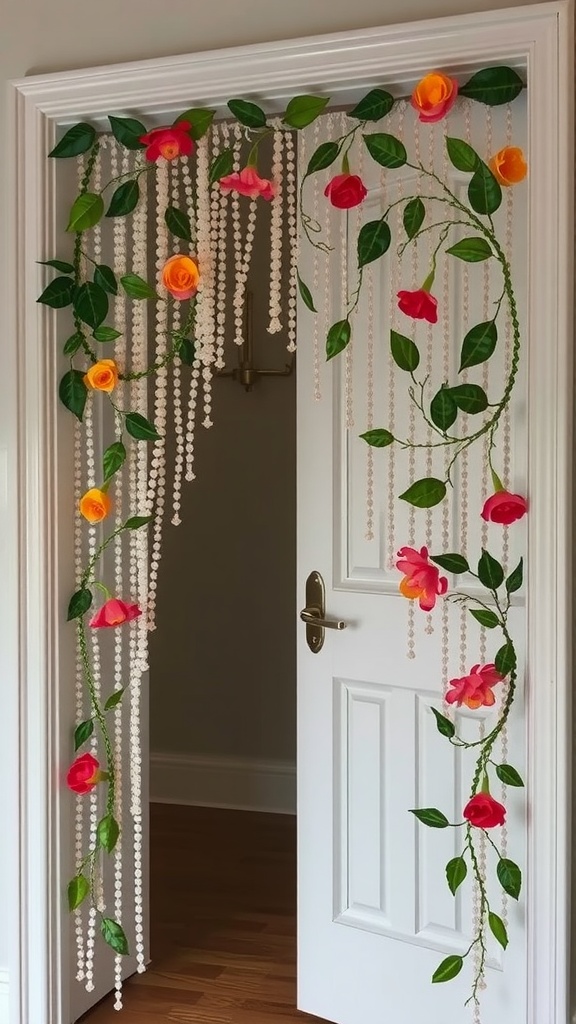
(223, 941)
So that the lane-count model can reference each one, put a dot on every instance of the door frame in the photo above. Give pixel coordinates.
(537, 35)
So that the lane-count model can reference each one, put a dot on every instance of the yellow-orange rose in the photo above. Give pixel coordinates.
(103, 376)
(434, 96)
(180, 277)
(95, 505)
(509, 166)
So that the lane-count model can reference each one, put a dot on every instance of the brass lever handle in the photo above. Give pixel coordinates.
(312, 617)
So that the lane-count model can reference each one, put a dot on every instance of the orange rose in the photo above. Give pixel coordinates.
(103, 376)
(95, 505)
(434, 96)
(180, 277)
(509, 166)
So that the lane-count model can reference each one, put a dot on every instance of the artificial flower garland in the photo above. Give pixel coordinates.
(181, 277)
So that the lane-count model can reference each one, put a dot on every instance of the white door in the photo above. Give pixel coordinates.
(376, 916)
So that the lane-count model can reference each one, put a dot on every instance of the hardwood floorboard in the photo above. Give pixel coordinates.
(223, 922)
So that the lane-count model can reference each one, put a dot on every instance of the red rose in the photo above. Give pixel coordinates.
(114, 613)
(420, 305)
(504, 508)
(83, 774)
(483, 811)
(168, 142)
(345, 191)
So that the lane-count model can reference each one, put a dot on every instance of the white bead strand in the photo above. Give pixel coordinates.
(221, 268)
(292, 239)
(177, 383)
(276, 236)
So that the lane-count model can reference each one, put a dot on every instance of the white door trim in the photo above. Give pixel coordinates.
(539, 35)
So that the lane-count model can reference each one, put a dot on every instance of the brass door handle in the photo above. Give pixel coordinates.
(314, 612)
(312, 616)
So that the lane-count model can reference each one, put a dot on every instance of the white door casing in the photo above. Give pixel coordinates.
(539, 35)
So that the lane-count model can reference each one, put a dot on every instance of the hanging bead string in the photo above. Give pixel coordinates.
(79, 801)
(315, 257)
(177, 384)
(485, 365)
(208, 223)
(464, 466)
(293, 241)
(429, 628)
(370, 406)
(412, 432)
(157, 479)
(344, 285)
(195, 374)
(447, 709)
(276, 247)
(237, 241)
(222, 257)
(394, 286)
(328, 255)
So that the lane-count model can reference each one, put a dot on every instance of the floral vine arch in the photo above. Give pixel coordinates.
(189, 333)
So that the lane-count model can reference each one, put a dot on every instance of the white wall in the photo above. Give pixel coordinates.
(50, 35)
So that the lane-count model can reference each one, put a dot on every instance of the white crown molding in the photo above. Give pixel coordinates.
(238, 783)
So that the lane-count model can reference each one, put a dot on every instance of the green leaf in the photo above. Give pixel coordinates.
(199, 119)
(462, 156)
(78, 890)
(386, 150)
(490, 572)
(414, 213)
(498, 929)
(249, 114)
(485, 617)
(82, 733)
(64, 268)
(107, 832)
(443, 724)
(73, 392)
(324, 156)
(493, 86)
(303, 110)
(425, 493)
(443, 409)
(135, 522)
(508, 775)
(77, 139)
(113, 934)
(484, 192)
(338, 338)
(505, 660)
(106, 278)
(58, 293)
(404, 352)
(478, 345)
(86, 211)
(305, 294)
(140, 428)
(136, 287)
(470, 398)
(431, 816)
(451, 563)
(114, 699)
(514, 581)
(91, 304)
(222, 165)
(510, 877)
(448, 969)
(378, 438)
(79, 604)
(456, 872)
(72, 344)
(186, 350)
(373, 241)
(471, 250)
(125, 199)
(113, 459)
(105, 333)
(128, 131)
(178, 223)
(375, 105)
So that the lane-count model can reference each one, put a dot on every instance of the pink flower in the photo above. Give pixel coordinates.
(483, 811)
(419, 304)
(422, 579)
(114, 613)
(168, 142)
(83, 774)
(504, 508)
(345, 191)
(248, 183)
(475, 689)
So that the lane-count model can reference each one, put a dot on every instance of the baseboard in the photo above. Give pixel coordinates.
(4, 1008)
(239, 783)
